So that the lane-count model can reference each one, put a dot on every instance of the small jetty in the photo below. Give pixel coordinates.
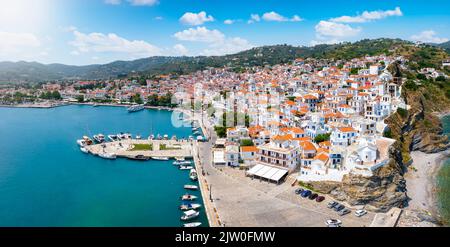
(143, 150)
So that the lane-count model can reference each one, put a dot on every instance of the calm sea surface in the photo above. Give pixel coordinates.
(46, 181)
(444, 181)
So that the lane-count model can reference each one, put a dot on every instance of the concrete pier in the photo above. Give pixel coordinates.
(125, 148)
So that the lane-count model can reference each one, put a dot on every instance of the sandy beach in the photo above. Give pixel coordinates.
(421, 184)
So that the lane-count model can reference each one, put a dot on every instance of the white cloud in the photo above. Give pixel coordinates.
(367, 16)
(296, 18)
(254, 18)
(273, 16)
(228, 22)
(133, 2)
(200, 34)
(20, 46)
(112, 43)
(113, 2)
(180, 50)
(159, 18)
(227, 46)
(195, 19)
(336, 30)
(428, 36)
(218, 43)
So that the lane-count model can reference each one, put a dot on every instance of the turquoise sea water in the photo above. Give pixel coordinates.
(46, 181)
(444, 181)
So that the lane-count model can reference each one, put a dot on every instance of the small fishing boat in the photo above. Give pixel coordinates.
(84, 150)
(158, 137)
(139, 157)
(189, 206)
(166, 137)
(108, 156)
(193, 175)
(180, 158)
(193, 224)
(184, 167)
(191, 187)
(138, 137)
(87, 140)
(174, 138)
(161, 158)
(151, 137)
(196, 133)
(190, 214)
(188, 197)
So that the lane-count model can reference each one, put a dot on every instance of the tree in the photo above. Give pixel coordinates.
(136, 99)
(221, 131)
(80, 98)
(322, 137)
(247, 143)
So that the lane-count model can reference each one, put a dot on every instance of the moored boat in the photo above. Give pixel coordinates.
(84, 150)
(135, 108)
(190, 206)
(188, 197)
(191, 187)
(161, 158)
(190, 214)
(178, 162)
(193, 224)
(139, 157)
(108, 156)
(113, 138)
(193, 175)
(100, 138)
(184, 167)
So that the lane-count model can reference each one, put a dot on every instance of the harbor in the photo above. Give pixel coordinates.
(72, 188)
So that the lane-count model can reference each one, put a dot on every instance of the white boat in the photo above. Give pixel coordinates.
(189, 206)
(184, 167)
(108, 156)
(188, 197)
(166, 137)
(84, 150)
(87, 140)
(160, 158)
(193, 175)
(138, 137)
(191, 187)
(100, 138)
(81, 143)
(180, 159)
(113, 138)
(193, 224)
(190, 214)
(151, 137)
(178, 163)
(135, 108)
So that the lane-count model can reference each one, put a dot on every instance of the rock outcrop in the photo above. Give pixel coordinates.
(384, 190)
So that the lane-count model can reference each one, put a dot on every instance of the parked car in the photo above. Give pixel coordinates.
(306, 193)
(313, 196)
(360, 213)
(333, 222)
(339, 207)
(299, 191)
(344, 212)
(332, 204)
(320, 198)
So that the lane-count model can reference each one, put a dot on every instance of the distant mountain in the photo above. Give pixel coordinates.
(260, 56)
(445, 46)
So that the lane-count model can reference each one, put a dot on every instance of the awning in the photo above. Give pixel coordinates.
(267, 172)
(219, 157)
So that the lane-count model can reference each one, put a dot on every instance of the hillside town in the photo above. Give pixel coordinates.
(319, 118)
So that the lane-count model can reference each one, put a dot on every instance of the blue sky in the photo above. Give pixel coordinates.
(100, 31)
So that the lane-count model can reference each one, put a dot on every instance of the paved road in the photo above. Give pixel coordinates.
(241, 201)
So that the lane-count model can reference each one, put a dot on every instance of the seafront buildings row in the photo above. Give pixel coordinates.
(319, 119)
